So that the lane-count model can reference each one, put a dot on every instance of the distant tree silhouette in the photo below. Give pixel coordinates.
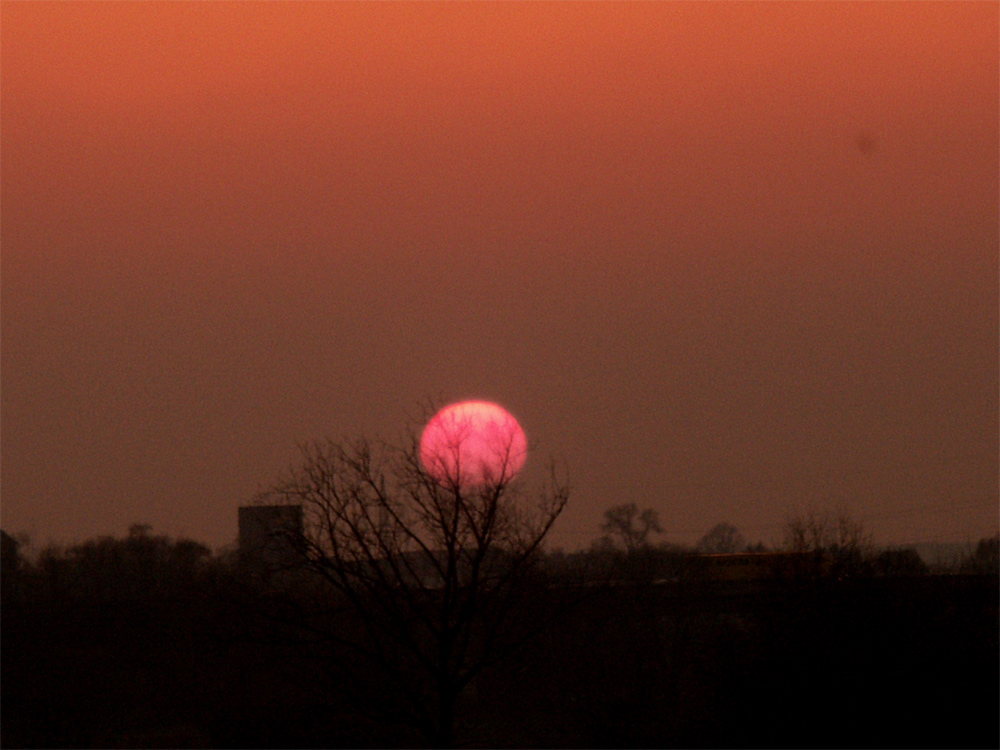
(986, 557)
(723, 538)
(840, 541)
(10, 567)
(140, 566)
(11, 556)
(899, 562)
(629, 527)
(414, 583)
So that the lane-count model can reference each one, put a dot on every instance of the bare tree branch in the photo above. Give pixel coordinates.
(429, 567)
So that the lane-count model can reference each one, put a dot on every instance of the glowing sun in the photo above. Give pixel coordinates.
(472, 443)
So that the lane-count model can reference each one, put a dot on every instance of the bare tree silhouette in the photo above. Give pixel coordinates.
(627, 525)
(431, 572)
(723, 538)
(840, 541)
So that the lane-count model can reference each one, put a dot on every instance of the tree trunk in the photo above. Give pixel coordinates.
(446, 718)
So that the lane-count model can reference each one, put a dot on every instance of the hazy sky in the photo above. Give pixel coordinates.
(729, 260)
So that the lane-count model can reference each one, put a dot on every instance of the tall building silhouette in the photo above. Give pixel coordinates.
(267, 537)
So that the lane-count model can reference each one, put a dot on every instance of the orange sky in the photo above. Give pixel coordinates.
(730, 260)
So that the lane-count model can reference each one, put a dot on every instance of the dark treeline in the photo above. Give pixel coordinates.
(148, 641)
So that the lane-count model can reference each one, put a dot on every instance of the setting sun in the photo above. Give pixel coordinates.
(472, 443)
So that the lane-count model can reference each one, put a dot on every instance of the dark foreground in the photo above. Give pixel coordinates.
(875, 662)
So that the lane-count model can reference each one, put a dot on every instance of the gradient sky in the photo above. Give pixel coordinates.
(732, 261)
